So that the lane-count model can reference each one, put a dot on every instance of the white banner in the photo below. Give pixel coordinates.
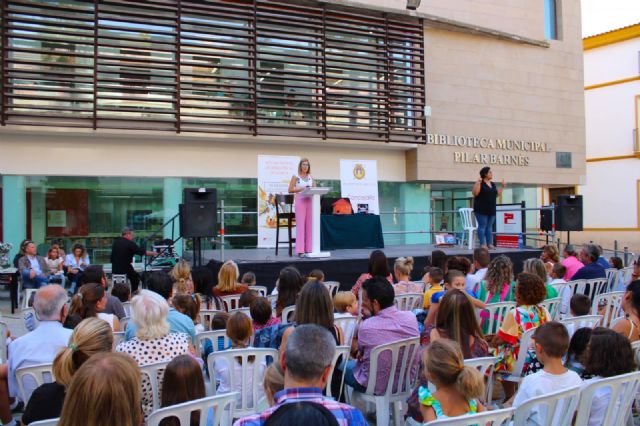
(359, 182)
(274, 175)
(508, 222)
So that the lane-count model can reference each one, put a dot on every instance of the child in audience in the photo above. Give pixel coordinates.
(247, 297)
(248, 278)
(580, 305)
(183, 381)
(608, 354)
(317, 275)
(458, 386)
(218, 322)
(557, 277)
(453, 279)
(346, 306)
(577, 347)
(435, 281)
(189, 306)
(530, 292)
(273, 382)
(551, 342)
(262, 314)
(122, 291)
(239, 331)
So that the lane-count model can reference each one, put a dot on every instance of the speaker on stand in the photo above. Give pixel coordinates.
(198, 218)
(568, 215)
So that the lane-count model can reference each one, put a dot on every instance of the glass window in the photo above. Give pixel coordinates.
(550, 19)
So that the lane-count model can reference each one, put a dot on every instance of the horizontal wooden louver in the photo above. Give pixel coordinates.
(253, 67)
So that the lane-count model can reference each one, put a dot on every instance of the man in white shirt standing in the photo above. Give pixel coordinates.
(481, 260)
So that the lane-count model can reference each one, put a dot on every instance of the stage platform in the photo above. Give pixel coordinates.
(344, 266)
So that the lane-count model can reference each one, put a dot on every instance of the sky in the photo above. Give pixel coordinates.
(599, 16)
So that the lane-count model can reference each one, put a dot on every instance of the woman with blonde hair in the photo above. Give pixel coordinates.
(182, 280)
(402, 270)
(228, 284)
(104, 391)
(550, 256)
(299, 182)
(535, 266)
(92, 336)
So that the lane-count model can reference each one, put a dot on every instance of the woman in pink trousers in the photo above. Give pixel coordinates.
(302, 205)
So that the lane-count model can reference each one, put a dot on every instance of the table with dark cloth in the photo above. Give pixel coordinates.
(350, 231)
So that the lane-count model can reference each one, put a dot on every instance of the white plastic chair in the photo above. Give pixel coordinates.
(48, 422)
(222, 406)
(610, 307)
(574, 323)
(127, 308)
(469, 225)
(559, 287)
(623, 391)
(518, 366)
(408, 301)
(332, 286)
(401, 356)
(3, 342)
(555, 409)
(250, 378)
(155, 374)
(486, 418)
(552, 306)
(496, 313)
(595, 286)
(262, 290)
(28, 292)
(342, 355)
(626, 276)
(231, 302)
(118, 279)
(348, 327)
(206, 315)
(287, 314)
(485, 366)
(118, 337)
(38, 374)
(245, 311)
(635, 346)
(612, 278)
(213, 336)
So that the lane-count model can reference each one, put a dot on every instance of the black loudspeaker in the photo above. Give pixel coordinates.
(199, 213)
(569, 213)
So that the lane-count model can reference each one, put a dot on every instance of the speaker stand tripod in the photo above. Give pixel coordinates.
(197, 251)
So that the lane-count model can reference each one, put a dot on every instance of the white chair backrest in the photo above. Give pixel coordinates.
(28, 294)
(118, 337)
(124, 321)
(155, 374)
(231, 302)
(559, 287)
(468, 218)
(3, 342)
(554, 409)
(262, 290)
(332, 286)
(249, 382)
(626, 276)
(635, 346)
(36, 374)
(574, 323)
(400, 356)
(48, 422)
(348, 327)
(552, 306)
(485, 366)
(612, 278)
(288, 313)
(486, 418)
(607, 305)
(525, 347)
(118, 279)
(408, 301)
(245, 311)
(622, 392)
(127, 308)
(341, 355)
(206, 315)
(589, 287)
(220, 406)
(213, 336)
(492, 316)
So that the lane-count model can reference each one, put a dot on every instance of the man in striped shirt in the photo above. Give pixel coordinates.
(306, 363)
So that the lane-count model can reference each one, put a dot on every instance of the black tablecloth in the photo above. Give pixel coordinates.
(350, 231)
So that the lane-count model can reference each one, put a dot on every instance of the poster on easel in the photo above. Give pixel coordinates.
(359, 183)
(509, 225)
(274, 175)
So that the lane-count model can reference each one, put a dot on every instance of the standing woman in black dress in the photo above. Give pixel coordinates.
(485, 194)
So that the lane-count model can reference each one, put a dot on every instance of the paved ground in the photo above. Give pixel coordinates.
(14, 321)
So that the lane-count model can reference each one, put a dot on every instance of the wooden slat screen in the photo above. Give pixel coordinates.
(254, 67)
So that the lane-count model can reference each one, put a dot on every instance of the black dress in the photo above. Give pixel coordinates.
(485, 202)
(45, 403)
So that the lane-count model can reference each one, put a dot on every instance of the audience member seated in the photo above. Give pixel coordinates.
(182, 280)
(454, 279)
(557, 277)
(436, 280)
(288, 286)
(247, 298)
(592, 269)
(608, 354)
(497, 285)
(261, 314)
(580, 305)
(33, 268)
(346, 306)
(457, 321)
(617, 263)
(228, 284)
(306, 363)
(76, 262)
(273, 382)
(42, 344)
(378, 267)
(550, 257)
(90, 302)
(530, 291)
(95, 274)
(629, 326)
(577, 347)
(535, 266)
(570, 261)
(104, 391)
(122, 292)
(249, 278)
(154, 341)
(602, 261)
(183, 382)
(160, 283)
(239, 331)
(55, 263)
(402, 270)
(317, 275)
(635, 275)
(189, 306)
(203, 281)
(551, 342)
(458, 386)
(387, 324)
(459, 263)
(302, 413)
(481, 260)
(90, 337)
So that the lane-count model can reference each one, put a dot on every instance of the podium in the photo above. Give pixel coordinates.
(315, 194)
